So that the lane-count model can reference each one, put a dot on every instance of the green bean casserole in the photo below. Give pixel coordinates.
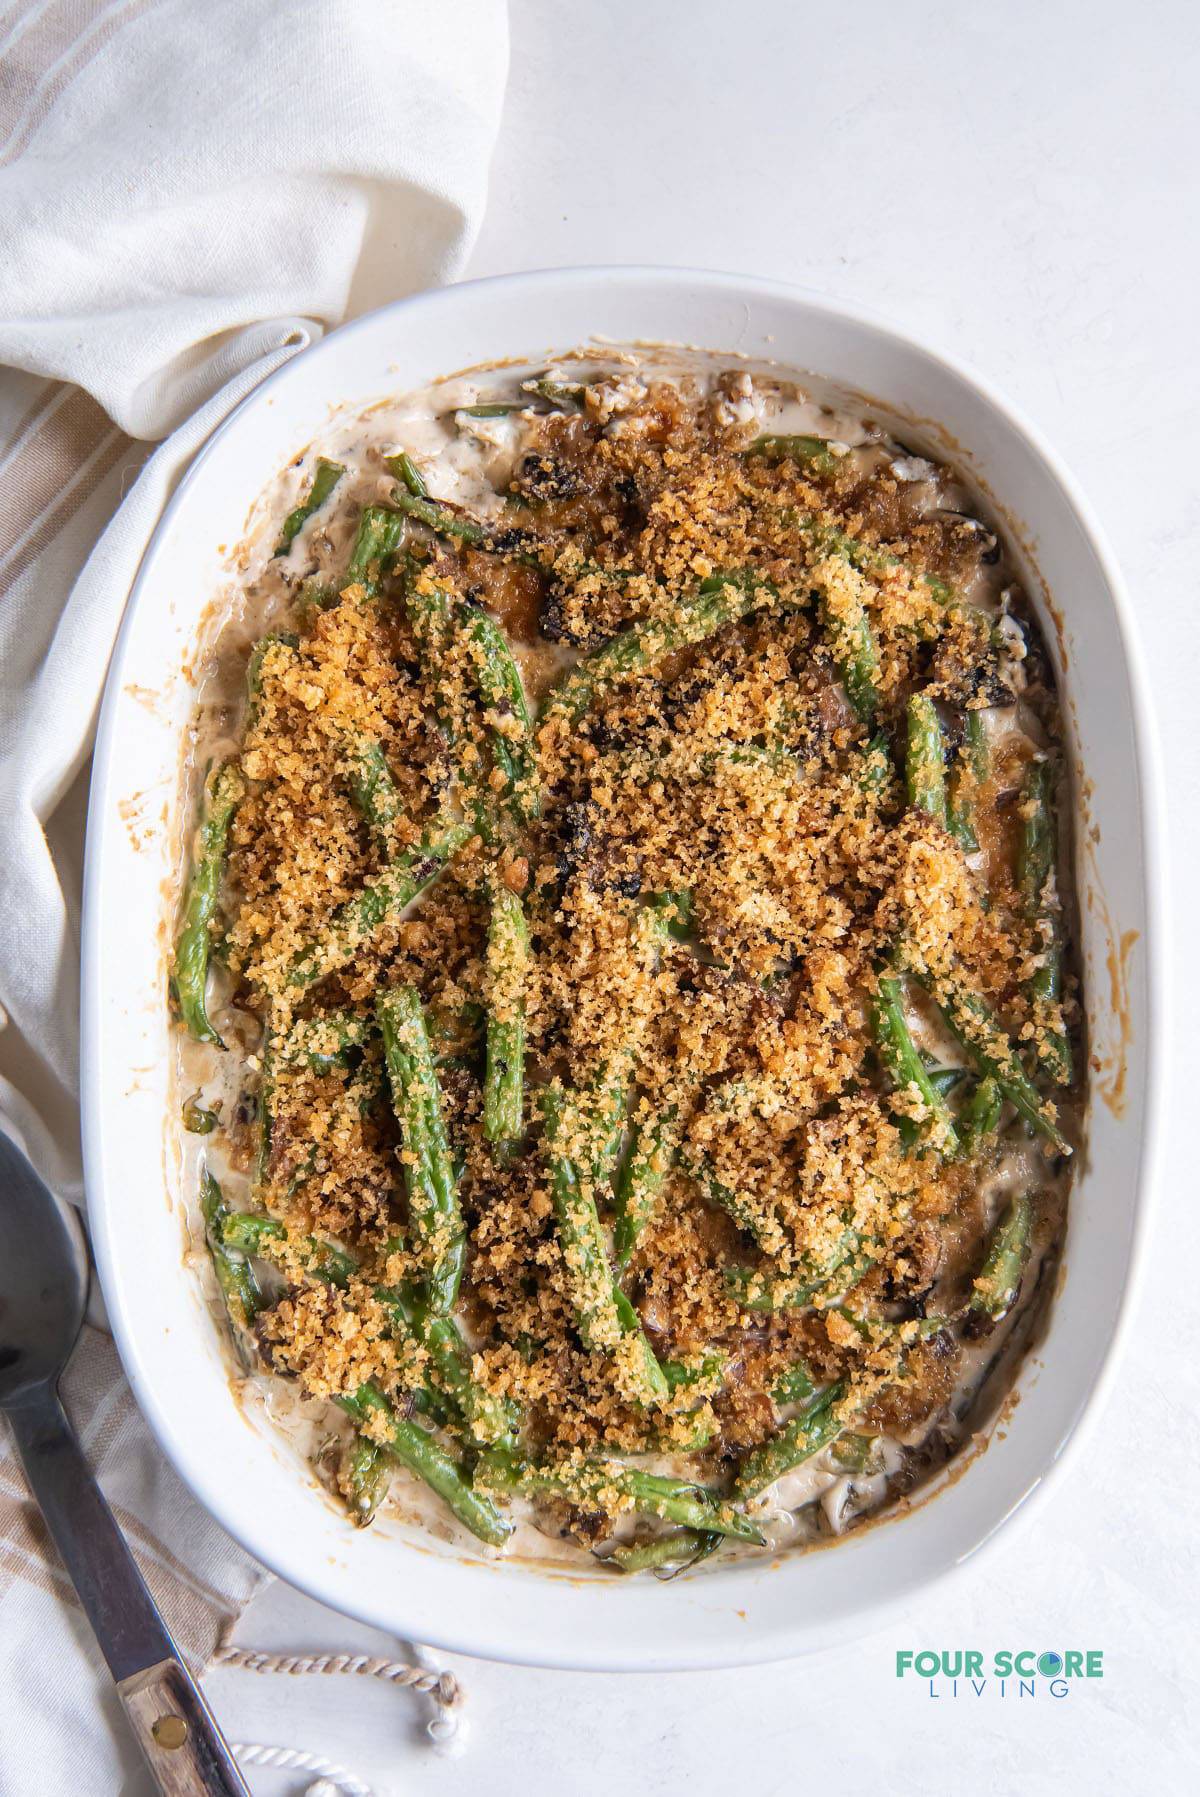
(629, 1035)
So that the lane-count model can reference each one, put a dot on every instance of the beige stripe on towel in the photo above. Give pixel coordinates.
(47, 58)
(54, 469)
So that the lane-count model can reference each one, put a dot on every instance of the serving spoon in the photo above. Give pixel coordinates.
(43, 1290)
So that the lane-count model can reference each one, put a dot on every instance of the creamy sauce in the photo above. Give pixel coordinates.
(470, 461)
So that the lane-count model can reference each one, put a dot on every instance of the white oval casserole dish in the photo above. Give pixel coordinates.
(244, 1471)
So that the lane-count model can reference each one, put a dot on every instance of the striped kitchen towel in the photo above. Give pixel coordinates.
(188, 194)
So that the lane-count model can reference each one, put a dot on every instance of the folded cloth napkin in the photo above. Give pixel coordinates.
(188, 195)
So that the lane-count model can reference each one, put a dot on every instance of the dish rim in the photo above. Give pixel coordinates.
(1094, 1387)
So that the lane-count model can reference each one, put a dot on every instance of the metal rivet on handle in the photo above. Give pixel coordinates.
(170, 1731)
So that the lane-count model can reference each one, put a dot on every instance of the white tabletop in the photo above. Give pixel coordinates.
(1017, 183)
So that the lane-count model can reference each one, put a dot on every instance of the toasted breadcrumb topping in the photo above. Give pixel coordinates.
(734, 771)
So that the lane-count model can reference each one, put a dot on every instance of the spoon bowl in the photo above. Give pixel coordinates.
(43, 1280)
(43, 1291)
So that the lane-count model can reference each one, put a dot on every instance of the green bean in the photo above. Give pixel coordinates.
(851, 640)
(720, 600)
(380, 530)
(641, 1180)
(502, 690)
(809, 1431)
(250, 1233)
(557, 391)
(197, 1119)
(302, 1174)
(677, 910)
(436, 618)
(756, 1290)
(235, 1276)
(433, 1207)
(858, 1453)
(980, 1117)
(653, 1379)
(488, 1418)
(999, 1279)
(970, 772)
(499, 409)
(943, 1080)
(683, 1432)
(877, 770)
(580, 1234)
(324, 480)
(681, 1549)
(976, 752)
(441, 518)
(507, 979)
(605, 1124)
(417, 1450)
(266, 1103)
(223, 793)
(603, 1313)
(707, 1369)
(364, 1478)
(384, 896)
(1036, 858)
(883, 1329)
(868, 558)
(794, 1386)
(571, 568)
(809, 452)
(1039, 894)
(372, 788)
(904, 1065)
(403, 468)
(664, 915)
(925, 759)
(255, 665)
(960, 823)
(972, 1022)
(610, 1112)
(431, 616)
(323, 1043)
(760, 1229)
(314, 595)
(592, 1484)
(428, 1401)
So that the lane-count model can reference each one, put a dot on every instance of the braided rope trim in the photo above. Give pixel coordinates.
(442, 1687)
(332, 1780)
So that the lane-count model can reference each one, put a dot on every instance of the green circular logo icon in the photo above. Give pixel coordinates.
(1050, 1664)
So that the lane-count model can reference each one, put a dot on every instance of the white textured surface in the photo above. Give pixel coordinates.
(1017, 183)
